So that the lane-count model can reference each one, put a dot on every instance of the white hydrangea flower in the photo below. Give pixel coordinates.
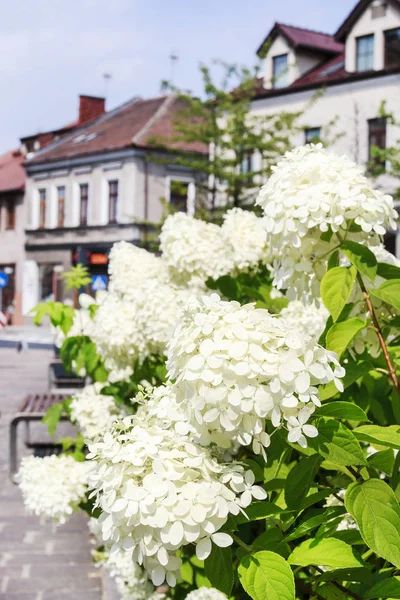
(132, 583)
(311, 190)
(130, 266)
(194, 250)
(131, 327)
(204, 593)
(236, 366)
(159, 406)
(246, 233)
(53, 486)
(308, 318)
(82, 324)
(93, 411)
(159, 491)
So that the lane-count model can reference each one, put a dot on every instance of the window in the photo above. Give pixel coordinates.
(312, 135)
(280, 77)
(42, 208)
(392, 47)
(112, 201)
(376, 139)
(365, 53)
(178, 195)
(60, 205)
(10, 214)
(84, 203)
(247, 163)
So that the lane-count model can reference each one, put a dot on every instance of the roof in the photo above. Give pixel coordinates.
(299, 37)
(12, 173)
(326, 73)
(353, 17)
(134, 124)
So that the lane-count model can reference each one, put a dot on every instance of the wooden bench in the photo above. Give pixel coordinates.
(32, 408)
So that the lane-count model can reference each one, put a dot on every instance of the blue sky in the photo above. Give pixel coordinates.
(53, 50)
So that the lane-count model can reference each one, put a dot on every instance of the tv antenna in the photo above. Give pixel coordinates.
(107, 78)
(173, 58)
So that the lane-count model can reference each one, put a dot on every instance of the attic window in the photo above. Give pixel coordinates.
(378, 9)
(280, 77)
(84, 137)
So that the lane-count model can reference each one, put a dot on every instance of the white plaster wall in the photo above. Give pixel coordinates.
(344, 102)
(97, 178)
(366, 25)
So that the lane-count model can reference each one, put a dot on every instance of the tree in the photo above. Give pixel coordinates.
(242, 145)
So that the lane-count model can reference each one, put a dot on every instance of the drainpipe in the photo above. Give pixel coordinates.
(146, 198)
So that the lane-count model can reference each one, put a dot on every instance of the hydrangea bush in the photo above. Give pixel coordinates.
(242, 422)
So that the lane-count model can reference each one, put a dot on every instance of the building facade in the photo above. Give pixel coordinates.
(101, 184)
(352, 72)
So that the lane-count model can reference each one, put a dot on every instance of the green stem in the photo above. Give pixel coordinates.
(241, 542)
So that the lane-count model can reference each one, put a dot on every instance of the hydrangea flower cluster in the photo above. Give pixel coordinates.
(309, 193)
(236, 366)
(93, 411)
(194, 250)
(53, 486)
(130, 266)
(131, 581)
(159, 491)
(204, 593)
(245, 233)
(158, 405)
(130, 327)
(309, 319)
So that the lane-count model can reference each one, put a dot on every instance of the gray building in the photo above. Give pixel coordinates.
(101, 184)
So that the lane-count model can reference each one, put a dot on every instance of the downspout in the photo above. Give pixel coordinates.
(146, 198)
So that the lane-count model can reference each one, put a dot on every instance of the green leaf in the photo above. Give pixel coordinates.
(272, 540)
(219, 569)
(52, 417)
(328, 552)
(341, 334)
(383, 461)
(300, 479)
(333, 260)
(266, 576)
(228, 286)
(374, 506)
(336, 287)
(361, 257)
(355, 574)
(315, 498)
(337, 443)
(389, 588)
(323, 516)
(387, 271)
(342, 410)
(354, 371)
(383, 436)
(389, 292)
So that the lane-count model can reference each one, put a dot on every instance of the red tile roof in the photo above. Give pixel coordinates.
(306, 38)
(12, 173)
(328, 70)
(298, 37)
(133, 124)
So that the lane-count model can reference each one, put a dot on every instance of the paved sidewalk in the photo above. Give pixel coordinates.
(37, 561)
(32, 336)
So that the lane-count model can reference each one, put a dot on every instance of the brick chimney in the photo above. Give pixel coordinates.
(90, 107)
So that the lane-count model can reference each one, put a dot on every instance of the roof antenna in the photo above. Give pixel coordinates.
(107, 78)
(173, 57)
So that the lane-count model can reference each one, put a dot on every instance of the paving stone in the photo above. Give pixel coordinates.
(37, 560)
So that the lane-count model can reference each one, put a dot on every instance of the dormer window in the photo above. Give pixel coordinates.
(392, 47)
(365, 53)
(280, 77)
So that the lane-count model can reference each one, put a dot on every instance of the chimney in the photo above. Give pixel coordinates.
(90, 107)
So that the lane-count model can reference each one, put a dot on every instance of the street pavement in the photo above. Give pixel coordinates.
(37, 560)
(30, 336)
